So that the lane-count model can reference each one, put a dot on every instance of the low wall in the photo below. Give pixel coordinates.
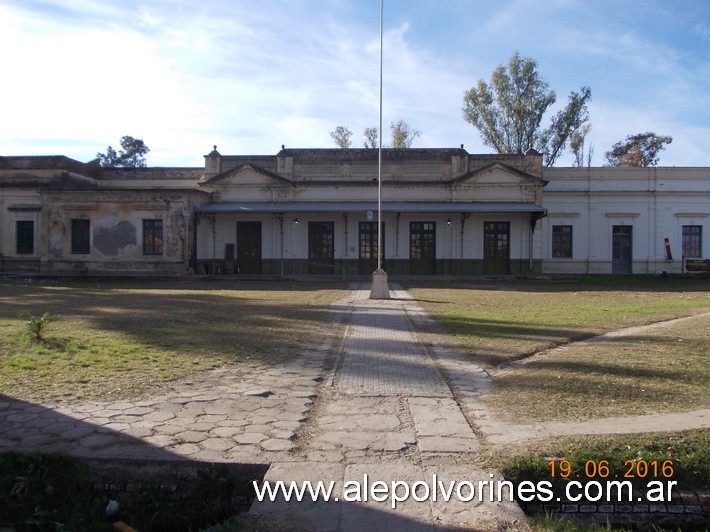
(687, 510)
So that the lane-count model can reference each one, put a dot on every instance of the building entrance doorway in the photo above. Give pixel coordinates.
(321, 248)
(496, 248)
(249, 248)
(368, 247)
(621, 249)
(422, 248)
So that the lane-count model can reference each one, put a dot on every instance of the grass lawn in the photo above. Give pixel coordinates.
(664, 370)
(115, 339)
(682, 457)
(688, 451)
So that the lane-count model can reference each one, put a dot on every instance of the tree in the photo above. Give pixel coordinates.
(372, 137)
(131, 156)
(508, 112)
(341, 136)
(577, 142)
(637, 150)
(403, 135)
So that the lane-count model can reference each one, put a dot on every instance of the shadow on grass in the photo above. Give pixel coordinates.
(227, 321)
(588, 283)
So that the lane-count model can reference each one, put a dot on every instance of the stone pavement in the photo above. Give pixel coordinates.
(380, 355)
(367, 400)
(388, 415)
(232, 416)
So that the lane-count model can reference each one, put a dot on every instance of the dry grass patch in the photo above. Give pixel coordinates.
(498, 323)
(660, 370)
(115, 340)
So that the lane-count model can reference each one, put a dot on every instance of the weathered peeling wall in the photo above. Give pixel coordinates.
(116, 230)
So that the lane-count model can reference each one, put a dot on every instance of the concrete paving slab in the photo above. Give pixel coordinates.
(462, 483)
(319, 515)
(276, 444)
(373, 509)
(447, 444)
(441, 426)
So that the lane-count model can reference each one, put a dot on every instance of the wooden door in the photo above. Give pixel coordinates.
(248, 248)
(321, 247)
(368, 247)
(422, 248)
(496, 248)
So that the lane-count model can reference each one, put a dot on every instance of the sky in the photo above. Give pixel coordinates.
(250, 76)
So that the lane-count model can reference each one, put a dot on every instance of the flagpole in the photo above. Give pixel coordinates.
(379, 288)
(379, 155)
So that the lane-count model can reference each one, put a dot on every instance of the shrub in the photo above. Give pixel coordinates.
(36, 324)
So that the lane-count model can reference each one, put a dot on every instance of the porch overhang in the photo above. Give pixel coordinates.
(469, 207)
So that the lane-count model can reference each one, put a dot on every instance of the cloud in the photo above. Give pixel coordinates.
(248, 77)
(89, 84)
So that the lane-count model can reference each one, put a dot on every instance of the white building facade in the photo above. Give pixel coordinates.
(617, 220)
(314, 212)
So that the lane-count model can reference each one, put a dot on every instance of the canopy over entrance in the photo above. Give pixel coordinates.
(483, 207)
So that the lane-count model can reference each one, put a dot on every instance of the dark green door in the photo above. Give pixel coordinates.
(321, 247)
(248, 248)
(496, 248)
(422, 248)
(368, 247)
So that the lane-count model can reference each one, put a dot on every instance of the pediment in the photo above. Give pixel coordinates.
(246, 174)
(499, 174)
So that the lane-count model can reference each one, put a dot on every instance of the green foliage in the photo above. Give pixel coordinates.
(37, 324)
(195, 503)
(341, 136)
(403, 135)
(688, 451)
(637, 150)
(577, 142)
(131, 156)
(508, 112)
(372, 137)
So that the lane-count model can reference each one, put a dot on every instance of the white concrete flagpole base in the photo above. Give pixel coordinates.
(380, 288)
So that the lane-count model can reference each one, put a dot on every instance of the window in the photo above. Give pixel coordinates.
(25, 237)
(562, 241)
(692, 237)
(152, 237)
(80, 236)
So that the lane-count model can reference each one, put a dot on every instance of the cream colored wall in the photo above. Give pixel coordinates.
(10, 201)
(656, 202)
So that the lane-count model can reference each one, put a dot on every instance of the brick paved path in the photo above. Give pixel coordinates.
(386, 414)
(381, 356)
